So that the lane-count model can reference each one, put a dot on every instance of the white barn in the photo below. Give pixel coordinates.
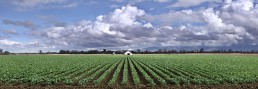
(127, 53)
(114, 53)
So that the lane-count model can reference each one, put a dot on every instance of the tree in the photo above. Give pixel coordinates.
(201, 50)
(138, 50)
(64, 52)
(230, 50)
(40, 52)
(1, 50)
(104, 50)
(6, 52)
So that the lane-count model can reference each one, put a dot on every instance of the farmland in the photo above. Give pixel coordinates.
(128, 71)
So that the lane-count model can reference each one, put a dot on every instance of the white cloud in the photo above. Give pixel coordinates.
(28, 47)
(107, 31)
(180, 17)
(234, 23)
(123, 28)
(167, 27)
(182, 27)
(246, 5)
(55, 32)
(227, 1)
(8, 42)
(148, 25)
(125, 16)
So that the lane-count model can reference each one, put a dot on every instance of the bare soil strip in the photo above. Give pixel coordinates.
(130, 77)
(155, 80)
(76, 82)
(120, 76)
(225, 86)
(141, 77)
(168, 82)
(83, 72)
(202, 74)
(109, 76)
(59, 73)
(174, 71)
(96, 77)
(56, 72)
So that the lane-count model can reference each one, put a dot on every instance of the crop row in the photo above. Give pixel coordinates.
(125, 70)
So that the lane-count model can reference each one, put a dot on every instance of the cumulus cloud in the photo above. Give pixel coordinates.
(176, 17)
(119, 28)
(123, 28)
(233, 23)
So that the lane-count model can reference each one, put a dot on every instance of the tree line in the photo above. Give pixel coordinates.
(139, 51)
(3, 52)
(159, 51)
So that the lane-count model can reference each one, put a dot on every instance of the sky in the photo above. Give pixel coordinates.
(51, 25)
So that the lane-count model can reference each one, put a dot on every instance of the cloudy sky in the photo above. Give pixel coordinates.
(51, 25)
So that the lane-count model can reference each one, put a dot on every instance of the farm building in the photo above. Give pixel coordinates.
(127, 53)
(114, 53)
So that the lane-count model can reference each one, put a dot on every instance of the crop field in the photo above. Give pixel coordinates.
(92, 71)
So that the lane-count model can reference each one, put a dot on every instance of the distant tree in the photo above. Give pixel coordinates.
(74, 52)
(104, 50)
(64, 52)
(173, 51)
(201, 50)
(40, 52)
(1, 50)
(82, 52)
(138, 50)
(230, 50)
(6, 52)
(93, 51)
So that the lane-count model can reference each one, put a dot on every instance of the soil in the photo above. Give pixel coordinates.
(110, 75)
(120, 76)
(130, 77)
(232, 86)
(77, 81)
(130, 84)
(141, 77)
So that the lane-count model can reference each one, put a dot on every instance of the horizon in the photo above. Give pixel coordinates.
(53, 25)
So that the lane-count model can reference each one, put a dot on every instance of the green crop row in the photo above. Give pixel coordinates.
(178, 69)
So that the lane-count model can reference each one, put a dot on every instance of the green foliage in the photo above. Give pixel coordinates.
(125, 73)
(154, 69)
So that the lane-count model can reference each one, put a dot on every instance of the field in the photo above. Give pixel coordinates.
(136, 71)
